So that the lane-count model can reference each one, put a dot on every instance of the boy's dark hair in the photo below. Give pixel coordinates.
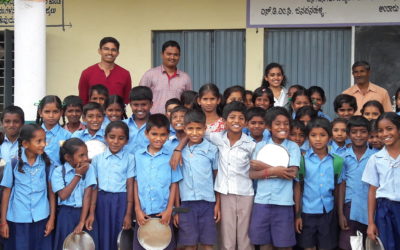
(109, 40)
(14, 110)
(255, 111)
(361, 63)
(260, 91)
(100, 89)
(172, 101)
(300, 125)
(306, 110)
(157, 120)
(69, 147)
(273, 112)
(372, 103)
(320, 122)
(358, 121)
(319, 90)
(140, 93)
(179, 109)
(233, 106)
(232, 89)
(188, 97)
(342, 99)
(170, 43)
(93, 106)
(117, 124)
(196, 116)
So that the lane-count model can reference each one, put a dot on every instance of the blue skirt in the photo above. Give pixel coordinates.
(28, 236)
(110, 213)
(387, 219)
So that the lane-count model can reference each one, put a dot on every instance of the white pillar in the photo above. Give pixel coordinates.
(29, 55)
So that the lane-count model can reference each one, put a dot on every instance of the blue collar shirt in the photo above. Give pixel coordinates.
(54, 138)
(137, 137)
(9, 149)
(106, 121)
(334, 148)
(85, 136)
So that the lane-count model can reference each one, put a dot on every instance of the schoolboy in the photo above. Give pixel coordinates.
(298, 134)
(196, 189)
(345, 106)
(272, 218)
(140, 101)
(12, 119)
(156, 182)
(177, 124)
(353, 192)
(93, 116)
(256, 124)
(170, 105)
(98, 93)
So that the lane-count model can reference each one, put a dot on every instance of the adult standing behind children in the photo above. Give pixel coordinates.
(114, 77)
(166, 81)
(364, 90)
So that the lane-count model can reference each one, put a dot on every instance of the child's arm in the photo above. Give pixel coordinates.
(340, 202)
(4, 206)
(85, 209)
(372, 230)
(141, 217)
(52, 200)
(80, 170)
(166, 214)
(217, 207)
(261, 170)
(297, 201)
(177, 204)
(92, 209)
(176, 158)
(129, 204)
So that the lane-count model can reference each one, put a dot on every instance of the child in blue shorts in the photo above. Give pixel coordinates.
(196, 189)
(93, 115)
(316, 222)
(272, 218)
(382, 173)
(156, 182)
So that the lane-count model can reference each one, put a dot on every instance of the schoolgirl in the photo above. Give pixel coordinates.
(263, 98)
(114, 108)
(372, 110)
(209, 100)
(318, 99)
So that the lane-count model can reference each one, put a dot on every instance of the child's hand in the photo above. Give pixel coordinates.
(176, 159)
(141, 217)
(299, 225)
(49, 227)
(78, 229)
(176, 220)
(372, 231)
(4, 231)
(165, 216)
(82, 168)
(343, 222)
(89, 222)
(127, 222)
(257, 165)
(282, 172)
(217, 213)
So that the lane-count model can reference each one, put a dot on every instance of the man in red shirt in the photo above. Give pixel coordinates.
(115, 78)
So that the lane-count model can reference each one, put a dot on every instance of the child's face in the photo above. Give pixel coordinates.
(235, 96)
(388, 133)
(73, 114)
(114, 112)
(262, 102)
(37, 144)
(12, 124)
(169, 109)
(305, 119)
(318, 138)
(208, 102)
(235, 122)
(297, 136)
(280, 128)
(93, 118)
(339, 132)
(300, 102)
(157, 137)
(177, 120)
(96, 97)
(80, 156)
(249, 101)
(371, 112)
(345, 111)
(116, 140)
(359, 136)
(374, 140)
(274, 77)
(141, 109)
(256, 125)
(50, 114)
(195, 132)
(317, 101)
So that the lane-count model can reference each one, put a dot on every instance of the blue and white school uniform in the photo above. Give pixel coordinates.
(266, 134)
(172, 143)
(154, 177)
(274, 197)
(383, 171)
(106, 121)
(69, 210)
(85, 136)
(54, 138)
(9, 149)
(334, 148)
(112, 172)
(137, 137)
(28, 207)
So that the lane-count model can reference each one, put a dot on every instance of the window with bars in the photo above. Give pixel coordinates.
(6, 68)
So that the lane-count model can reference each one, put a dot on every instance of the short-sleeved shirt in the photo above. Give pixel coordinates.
(137, 137)
(277, 191)
(199, 162)
(383, 171)
(233, 164)
(106, 121)
(165, 87)
(28, 200)
(59, 181)
(334, 148)
(54, 139)
(85, 136)
(8, 149)
(356, 190)
(172, 143)
(118, 82)
(112, 170)
(374, 93)
(319, 183)
(154, 177)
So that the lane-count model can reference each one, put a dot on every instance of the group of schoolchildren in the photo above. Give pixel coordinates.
(343, 175)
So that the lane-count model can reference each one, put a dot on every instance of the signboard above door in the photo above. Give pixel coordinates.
(322, 13)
